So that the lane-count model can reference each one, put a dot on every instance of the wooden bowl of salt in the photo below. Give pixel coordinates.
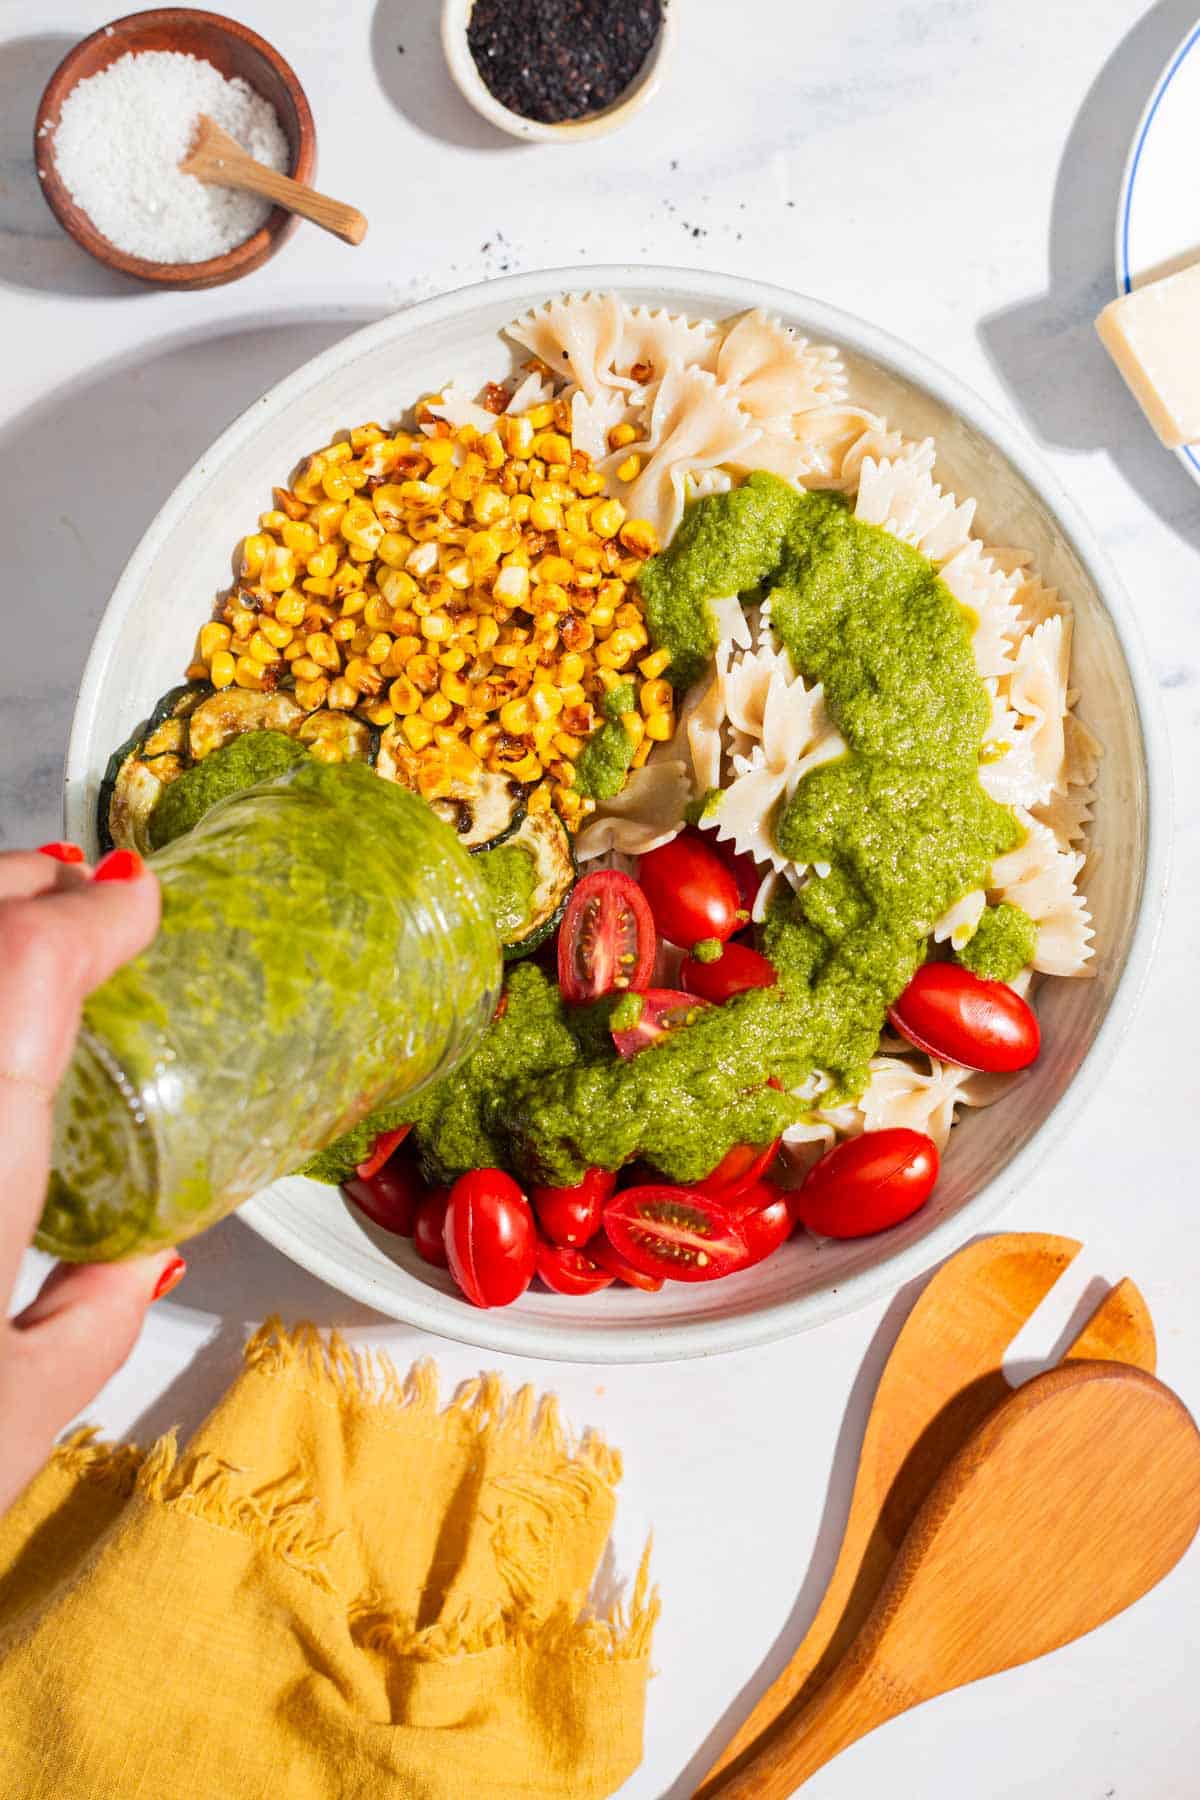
(233, 51)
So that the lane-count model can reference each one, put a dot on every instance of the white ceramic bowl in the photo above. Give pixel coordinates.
(456, 16)
(146, 637)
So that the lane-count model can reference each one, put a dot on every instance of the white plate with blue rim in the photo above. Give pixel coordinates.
(1158, 218)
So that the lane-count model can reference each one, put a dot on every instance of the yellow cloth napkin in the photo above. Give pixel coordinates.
(337, 1589)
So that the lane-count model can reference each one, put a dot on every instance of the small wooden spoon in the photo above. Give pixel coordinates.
(944, 1375)
(219, 160)
(1073, 1499)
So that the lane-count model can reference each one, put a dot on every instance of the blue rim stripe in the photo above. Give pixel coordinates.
(1127, 280)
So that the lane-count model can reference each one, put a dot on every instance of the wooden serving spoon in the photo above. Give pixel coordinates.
(1072, 1499)
(219, 160)
(944, 1376)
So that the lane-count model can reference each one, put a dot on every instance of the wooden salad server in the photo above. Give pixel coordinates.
(219, 160)
(944, 1376)
(1075, 1496)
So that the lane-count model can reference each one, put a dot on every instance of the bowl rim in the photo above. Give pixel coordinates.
(456, 17)
(213, 271)
(506, 1331)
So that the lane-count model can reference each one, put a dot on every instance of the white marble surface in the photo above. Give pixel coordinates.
(949, 169)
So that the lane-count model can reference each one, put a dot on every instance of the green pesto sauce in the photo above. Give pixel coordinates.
(1004, 942)
(703, 810)
(510, 876)
(604, 761)
(242, 763)
(626, 1013)
(708, 950)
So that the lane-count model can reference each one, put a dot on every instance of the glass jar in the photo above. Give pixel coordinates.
(326, 947)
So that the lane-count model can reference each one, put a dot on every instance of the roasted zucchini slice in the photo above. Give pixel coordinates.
(144, 765)
(227, 714)
(530, 874)
(483, 810)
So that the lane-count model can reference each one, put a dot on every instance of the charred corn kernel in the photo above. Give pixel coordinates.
(403, 697)
(577, 635)
(642, 752)
(423, 671)
(554, 569)
(440, 450)
(517, 434)
(545, 515)
(573, 696)
(248, 673)
(313, 584)
(376, 613)
(340, 452)
(377, 713)
(196, 671)
(511, 584)
(483, 739)
(397, 587)
(362, 435)
(613, 592)
(600, 618)
(418, 732)
(635, 727)
(361, 638)
(570, 668)
(639, 536)
(463, 486)
(441, 476)
(575, 519)
(323, 562)
(289, 608)
(616, 650)
(523, 768)
(221, 669)
(492, 450)
(628, 615)
(347, 577)
(273, 521)
(570, 805)
(545, 700)
(436, 708)
(630, 469)
(490, 505)
(341, 696)
(392, 549)
(660, 726)
(541, 416)
(620, 435)
(454, 687)
(438, 627)
(242, 620)
(552, 599)
(353, 604)
(336, 484)
(567, 746)
(360, 526)
(293, 651)
(213, 637)
(656, 696)
(486, 631)
(378, 648)
(402, 649)
(423, 492)
(458, 574)
(453, 659)
(342, 630)
(422, 560)
(323, 650)
(305, 669)
(288, 503)
(255, 550)
(588, 482)
(653, 665)
(552, 447)
(311, 694)
(483, 550)
(363, 676)
(607, 518)
(275, 633)
(541, 799)
(519, 508)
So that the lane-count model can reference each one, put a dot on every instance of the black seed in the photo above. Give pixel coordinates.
(561, 59)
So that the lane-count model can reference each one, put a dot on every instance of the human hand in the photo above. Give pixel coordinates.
(63, 930)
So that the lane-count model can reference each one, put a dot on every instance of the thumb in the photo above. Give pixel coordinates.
(63, 1348)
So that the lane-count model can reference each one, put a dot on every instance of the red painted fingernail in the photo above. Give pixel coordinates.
(62, 852)
(118, 865)
(170, 1278)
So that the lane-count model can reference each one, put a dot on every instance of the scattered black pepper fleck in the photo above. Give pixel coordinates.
(561, 59)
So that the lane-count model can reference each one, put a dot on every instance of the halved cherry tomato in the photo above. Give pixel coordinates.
(960, 1018)
(610, 1259)
(691, 892)
(491, 1239)
(737, 969)
(663, 1010)
(391, 1195)
(765, 1218)
(743, 868)
(675, 1231)
(868, 1183)
(568, 1271)
(571, 1215)
(606, 940)
(381, 1149)
(429, 1227)
(740, 1167)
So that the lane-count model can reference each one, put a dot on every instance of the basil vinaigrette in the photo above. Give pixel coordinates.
(901, 819)
(326, 947)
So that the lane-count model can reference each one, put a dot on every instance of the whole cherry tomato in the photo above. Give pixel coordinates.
(571, 1215)
(381, 1149)
(429, 1227)
(674, 1231)
(568, 1271)
(868, 1183)
(737, 969)
(741, 1166)
(391, 1195)
(662, 1010)
(491, 1239)
(960, 1018)
(607, 1257)
(606, 941)
(692, 894)
(745, 871)
(765, 1218)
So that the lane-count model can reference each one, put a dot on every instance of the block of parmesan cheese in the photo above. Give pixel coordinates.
(1153, 336)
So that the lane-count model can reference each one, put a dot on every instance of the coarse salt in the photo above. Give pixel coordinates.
(122, 134)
